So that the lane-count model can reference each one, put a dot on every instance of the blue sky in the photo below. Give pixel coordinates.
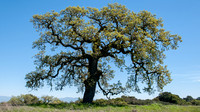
(17, 34)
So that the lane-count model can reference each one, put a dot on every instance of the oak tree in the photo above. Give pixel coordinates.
(84, 41)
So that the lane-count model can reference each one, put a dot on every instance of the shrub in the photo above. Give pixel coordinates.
(188, 98)
(29, 99)
(195, 102)
(118, 102)
(50, 100)
(57, 101)
(134, 101)
(142, 102)
(16, 100)
(156, 99)
(113, 102)
(102, 102)
(23, 100)
(187, 103)
(129, 99)
(171, 98)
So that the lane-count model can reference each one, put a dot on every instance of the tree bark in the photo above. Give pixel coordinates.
(91, 81)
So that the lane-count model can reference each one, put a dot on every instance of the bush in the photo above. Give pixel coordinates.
(195, 102)
(188, 98)
(171, 98)
(16, 100)
(134, 101)
(56, 101)
(129, 99)
(142, 102)
(156, 99)
(187, 103)
(50, 100)
(29, 99)
(113, 102)
(102, 102)
(23, 100)
(117, 102)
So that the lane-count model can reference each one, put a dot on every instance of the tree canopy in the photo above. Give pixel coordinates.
(188, 98)
(171, 98)
(84, 41)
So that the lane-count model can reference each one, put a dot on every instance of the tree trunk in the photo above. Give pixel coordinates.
(89, 93)
(90, 82)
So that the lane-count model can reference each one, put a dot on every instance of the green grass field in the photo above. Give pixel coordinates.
(91, 108)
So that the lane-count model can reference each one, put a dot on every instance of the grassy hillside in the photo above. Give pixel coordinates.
(91, 108)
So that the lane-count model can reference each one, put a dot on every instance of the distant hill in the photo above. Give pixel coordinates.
(68, 99)
(4, 98)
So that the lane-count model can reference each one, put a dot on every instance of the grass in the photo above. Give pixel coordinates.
(98, 108)
(167, 108)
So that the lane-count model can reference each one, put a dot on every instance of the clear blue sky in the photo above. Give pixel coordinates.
(17, 34)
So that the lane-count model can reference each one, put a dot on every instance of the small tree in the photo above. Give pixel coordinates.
(90, 39)
(15, 101)
(169, 97)
(129, 99)
(195, 102)
(56, 101)
(50, 99)
(188, 98)
(47, 99)
(29, 99)
(24, 100)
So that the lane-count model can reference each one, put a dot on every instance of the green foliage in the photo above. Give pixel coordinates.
(195, 102)
(113, 102)
(188, 98)
(123, 104)
(134, 101)
(166, 108)
(50, 100)
(16, 100)
(171, 98)
(142, 102)
(23, 100)
(128, 98)
(89, 38)
(91, 108)
(29, 99)
(156, 99)
(101, 102)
